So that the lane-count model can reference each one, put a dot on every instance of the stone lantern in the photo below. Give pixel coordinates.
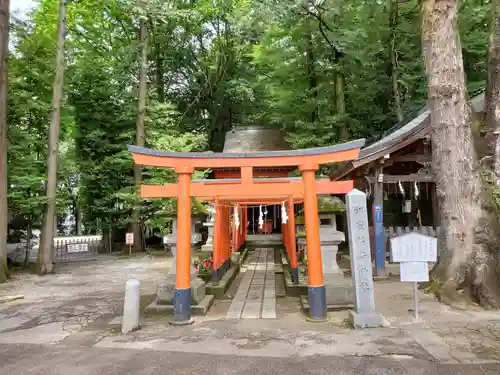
(166, 289)
(198, 215)
(209, 223)
(339, 290)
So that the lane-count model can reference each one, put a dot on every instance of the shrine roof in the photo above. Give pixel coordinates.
(400, 136)
(255, 139)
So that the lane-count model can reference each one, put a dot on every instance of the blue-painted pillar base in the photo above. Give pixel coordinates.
(219, 273)
(378, 239)
(215, 276)
(182, 307)
(294, 272)
(317, 303)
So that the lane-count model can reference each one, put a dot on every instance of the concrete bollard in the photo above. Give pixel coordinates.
(130, 318)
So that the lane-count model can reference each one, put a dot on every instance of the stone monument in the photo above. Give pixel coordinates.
(339, 289)
(364, 314)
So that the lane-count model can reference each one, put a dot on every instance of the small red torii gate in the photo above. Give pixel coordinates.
(244, 191)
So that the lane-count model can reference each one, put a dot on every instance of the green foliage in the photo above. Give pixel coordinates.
(212, 67)
(330, 204)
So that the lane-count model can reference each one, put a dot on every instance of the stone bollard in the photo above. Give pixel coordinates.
(130, 319)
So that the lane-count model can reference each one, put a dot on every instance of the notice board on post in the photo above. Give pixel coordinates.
(414, 247)
(414, 251)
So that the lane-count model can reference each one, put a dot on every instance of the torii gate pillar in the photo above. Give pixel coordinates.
(182, 296)
(316, 292)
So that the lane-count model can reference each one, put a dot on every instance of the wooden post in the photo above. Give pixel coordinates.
(234, 230)
(284, 231)
(217, 241)
(182, 297)
(245, 228)
(292, 242)
(378, 189)
(435, 206)
(378, 220)
(316, 288)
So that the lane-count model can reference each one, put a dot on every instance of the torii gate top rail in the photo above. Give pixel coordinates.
(319, 155)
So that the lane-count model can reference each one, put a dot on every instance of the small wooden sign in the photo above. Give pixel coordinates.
(129, 238)
(413, 251)
(414, 271)
(77, 248)
(414, 247)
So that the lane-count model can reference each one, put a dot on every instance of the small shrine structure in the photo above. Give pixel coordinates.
(242, 180)
(395, 173)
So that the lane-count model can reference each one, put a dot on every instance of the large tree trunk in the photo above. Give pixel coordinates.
(483, 280)
(160, 83)
(467, 268)
(341, 108)
(311, 76)
(393, 22)
(44, 261)
(492, 99)
(4, 208)
(142, 96)
(29, 234)
(78, 218)
(453, 153)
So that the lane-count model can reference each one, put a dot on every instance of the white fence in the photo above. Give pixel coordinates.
(397, 231)
(76, 248)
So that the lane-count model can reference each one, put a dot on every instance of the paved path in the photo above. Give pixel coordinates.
(62, 360)
(256, 295)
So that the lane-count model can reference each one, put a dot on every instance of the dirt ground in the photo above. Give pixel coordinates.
(82, 302)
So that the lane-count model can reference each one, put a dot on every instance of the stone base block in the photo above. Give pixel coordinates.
(304, 302)
(198, 291)
(392, 269)
(166, 290)
(339, 291)
(219, 288)
(207, 248)
(372, 320)
(199, 309)
(292, 289)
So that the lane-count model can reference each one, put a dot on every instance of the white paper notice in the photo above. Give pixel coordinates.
(414, 271)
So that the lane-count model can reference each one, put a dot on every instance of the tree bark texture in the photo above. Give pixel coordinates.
(492, 99)
(160, 83)
(341, 107)
(78, 218)
(468, 264)
(311, 75)
(140, 134)
(45, 253)
(4, 208)
(393, 22)
(453, 153)
(484, 274)
(29, 234)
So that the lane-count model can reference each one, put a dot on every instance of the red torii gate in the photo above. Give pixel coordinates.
(243, 191)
